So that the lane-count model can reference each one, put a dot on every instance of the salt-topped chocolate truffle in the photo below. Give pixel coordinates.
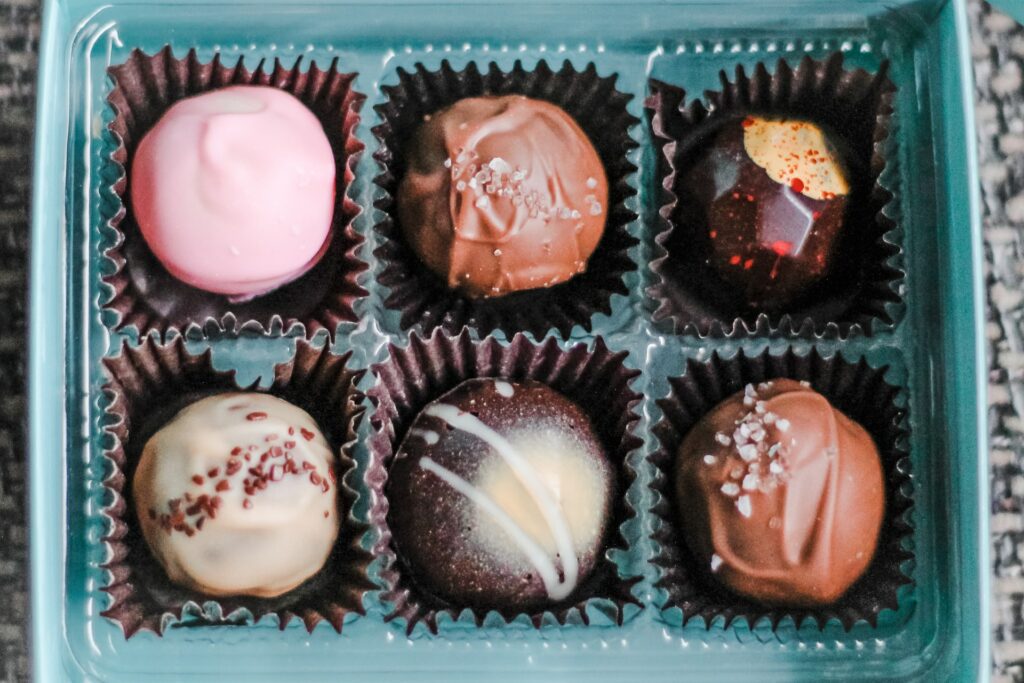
(500, 496)
(502, 194)
(236, 496)
(774, 195)
(780, 495)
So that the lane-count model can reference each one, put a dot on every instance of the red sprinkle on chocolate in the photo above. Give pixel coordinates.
(781, 247)
(748, 264)
(256, 416)
(735, 260)
(307, 435)
(797, 185)
(223, 485)
(748, 122)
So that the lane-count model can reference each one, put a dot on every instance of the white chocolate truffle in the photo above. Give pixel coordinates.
(236, 496)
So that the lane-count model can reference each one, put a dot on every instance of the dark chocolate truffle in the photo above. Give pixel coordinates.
(774, 195)
(502, 194)
(500, 496)
(781, 496)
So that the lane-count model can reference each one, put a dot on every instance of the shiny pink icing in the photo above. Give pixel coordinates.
(234, 190)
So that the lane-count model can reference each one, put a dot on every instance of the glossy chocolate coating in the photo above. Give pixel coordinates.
(450, 538)
(780, 495)
(773, 220)
(502, 194)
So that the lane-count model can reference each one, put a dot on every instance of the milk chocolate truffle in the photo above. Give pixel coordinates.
(233, 190)
(502, 194)
(500, 497)
(236, 496)
(781, 496)
(774, 195)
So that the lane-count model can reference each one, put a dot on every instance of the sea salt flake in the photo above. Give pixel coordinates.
(710, 459)
(716, 562)
(723, 439)
(804, 383)
(750, 482)
(776, 467)
(769, 418)
(782, 425)
(744, 506)
(447, 163)
(730, 489)
(748, 452)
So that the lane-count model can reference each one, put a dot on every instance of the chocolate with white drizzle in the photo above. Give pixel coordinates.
(500, 496)
(781, 496)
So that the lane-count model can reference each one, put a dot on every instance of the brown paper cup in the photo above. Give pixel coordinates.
(423, 299)
(595, 379)
(858, 390)
(144, 295)
(148, 385)
(863, 290)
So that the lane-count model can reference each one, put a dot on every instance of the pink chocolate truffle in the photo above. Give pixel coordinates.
(234, 190)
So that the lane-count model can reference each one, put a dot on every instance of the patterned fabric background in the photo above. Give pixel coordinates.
(998, 50)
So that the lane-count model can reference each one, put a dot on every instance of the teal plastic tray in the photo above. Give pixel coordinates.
(940, 631)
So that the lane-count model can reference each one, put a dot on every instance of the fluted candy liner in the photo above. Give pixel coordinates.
(863, 290)
(424, 300)
(144, 295)
(148, 384)
(857, 389)
(594, 378)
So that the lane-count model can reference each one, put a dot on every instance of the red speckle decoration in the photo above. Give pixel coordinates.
(256, 416)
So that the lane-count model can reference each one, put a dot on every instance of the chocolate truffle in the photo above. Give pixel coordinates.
(236, 496)
(500, 497)
(773, 194)
(781, 496)
(502, 194)
(233, 190)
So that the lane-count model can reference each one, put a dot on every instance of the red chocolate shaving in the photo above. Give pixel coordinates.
(256, 416)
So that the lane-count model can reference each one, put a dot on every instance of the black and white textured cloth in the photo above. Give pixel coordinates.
(998, 50)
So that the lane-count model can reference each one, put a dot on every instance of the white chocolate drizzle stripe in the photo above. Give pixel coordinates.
(537, 556)
(527, 475)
